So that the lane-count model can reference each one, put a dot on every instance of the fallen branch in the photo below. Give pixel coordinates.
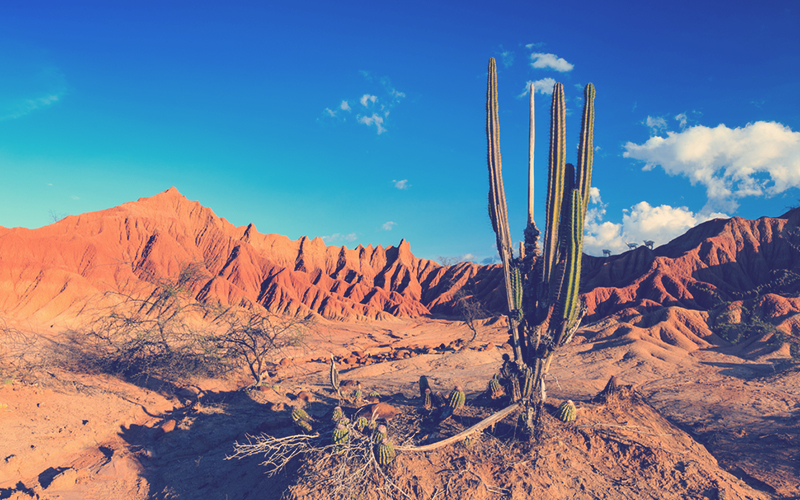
(500, 415)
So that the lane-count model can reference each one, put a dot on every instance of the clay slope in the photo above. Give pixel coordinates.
(53, 272)
(677, 293)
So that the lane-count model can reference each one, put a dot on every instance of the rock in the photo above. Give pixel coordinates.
(378, 410)
(490, 347)
(64, 480)
(276, 406)
(305, 396)
(168, 426)
(285, 362)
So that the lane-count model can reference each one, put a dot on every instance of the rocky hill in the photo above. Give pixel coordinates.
(722, 272)
(54, 272)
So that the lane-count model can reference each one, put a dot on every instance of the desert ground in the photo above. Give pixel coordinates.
(700, 424)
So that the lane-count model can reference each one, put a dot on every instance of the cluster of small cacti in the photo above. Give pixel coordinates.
(337, 414)
(567, 411)
(542, 287)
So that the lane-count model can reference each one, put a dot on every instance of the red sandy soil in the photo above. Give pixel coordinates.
(709, 425)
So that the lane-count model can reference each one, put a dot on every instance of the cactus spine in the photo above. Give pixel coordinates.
(542, 290)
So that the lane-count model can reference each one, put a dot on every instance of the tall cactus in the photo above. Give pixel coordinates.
(549, 309)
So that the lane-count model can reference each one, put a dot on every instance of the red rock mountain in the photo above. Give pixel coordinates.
(670, 295)
(56, 271)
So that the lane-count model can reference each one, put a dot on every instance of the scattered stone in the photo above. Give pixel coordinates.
(276, 406)
(305, 396)
(168, 426)
(285, 362)
(490, 347)
(378, 410)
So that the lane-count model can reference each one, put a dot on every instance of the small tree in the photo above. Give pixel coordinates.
(259, 339)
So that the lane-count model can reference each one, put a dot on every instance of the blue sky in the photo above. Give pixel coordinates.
(363, 122)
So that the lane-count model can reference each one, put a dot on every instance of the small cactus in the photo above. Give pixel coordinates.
(304, 426)
(335, 382)
(341, 436)
(457, 398)
(299, 414)
(358, 397)
(338, 414)
(495, 389)
(379, 435)
(374, 394)
(385, 452)
(428, 401)
(423, 385)
(567, 410)
(361, 424)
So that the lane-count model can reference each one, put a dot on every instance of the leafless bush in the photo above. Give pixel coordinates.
(20, 353)
(165, 332)
(258, 339)
(337, 472)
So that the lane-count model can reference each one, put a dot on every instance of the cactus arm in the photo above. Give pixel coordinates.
(568, 296)
(586, 146)
(497, 198)
(555, 180)
(530, 157)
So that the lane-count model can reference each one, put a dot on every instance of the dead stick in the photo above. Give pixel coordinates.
(500, 415)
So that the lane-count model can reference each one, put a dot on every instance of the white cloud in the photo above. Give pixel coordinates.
(640, 223)
(594, 196)
(379, 102)
(401, 184)
(387, 226)
(682, 119)
(372, 120)
(532, 45)
(338, 237)
(759, 159)
(507, 58)
(23, 107)
(366, 99)
(656, 124)
(543, 86)
(550, 61)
